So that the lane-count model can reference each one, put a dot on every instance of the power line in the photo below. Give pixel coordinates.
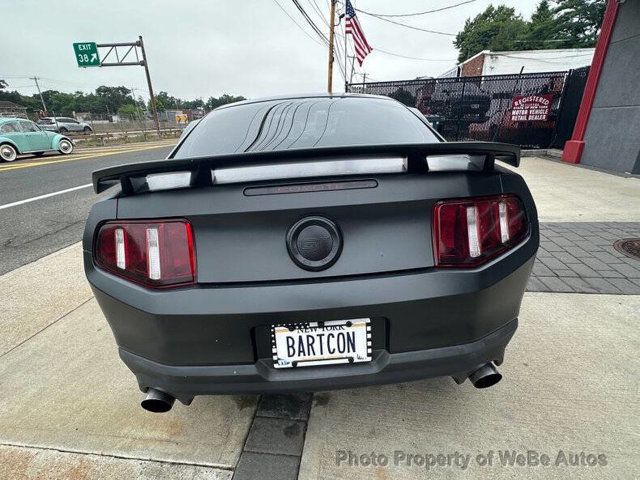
(543, 60)
(417, 13)
(422, 59)
(297, 24)
(311, 23)
(338, 55)
(436, 32)
(316, 7)
(337, 50)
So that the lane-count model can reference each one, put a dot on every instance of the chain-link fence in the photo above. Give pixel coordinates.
(522, 109)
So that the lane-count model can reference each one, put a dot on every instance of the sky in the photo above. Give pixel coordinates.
(199, 49)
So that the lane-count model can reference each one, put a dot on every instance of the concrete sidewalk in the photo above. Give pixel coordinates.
(570, 384)
(67, 403)
(567, 193)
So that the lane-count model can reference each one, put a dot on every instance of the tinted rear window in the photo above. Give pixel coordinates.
(304, 123)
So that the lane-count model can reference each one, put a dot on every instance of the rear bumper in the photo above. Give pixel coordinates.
(185, 382)
(215, 340)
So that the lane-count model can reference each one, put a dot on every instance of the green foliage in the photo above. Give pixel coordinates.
(3, 84)
(540, 30)
(164, 101)
(494, 29)
(106, 100)
(130, 111)
(578, 22)
(113, 97)
(554, 24)
(214, 102)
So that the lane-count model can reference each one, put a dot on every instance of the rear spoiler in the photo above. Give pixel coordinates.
(201, 167)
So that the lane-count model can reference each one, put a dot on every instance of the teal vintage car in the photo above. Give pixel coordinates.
(18, 136)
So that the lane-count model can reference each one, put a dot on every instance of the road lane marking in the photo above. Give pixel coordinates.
(80, 157)
(89, 151)
(47, 195)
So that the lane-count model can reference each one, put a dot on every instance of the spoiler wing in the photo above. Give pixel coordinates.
(201, 167)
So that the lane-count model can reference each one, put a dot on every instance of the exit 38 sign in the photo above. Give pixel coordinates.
(86, 54)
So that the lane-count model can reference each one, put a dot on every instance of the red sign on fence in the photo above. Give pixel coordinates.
(527, 108)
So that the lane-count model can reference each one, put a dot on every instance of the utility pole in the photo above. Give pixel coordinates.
(44, 107)
(152, 98)
(332, 20)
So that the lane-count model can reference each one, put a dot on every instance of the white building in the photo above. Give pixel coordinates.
(525, 61)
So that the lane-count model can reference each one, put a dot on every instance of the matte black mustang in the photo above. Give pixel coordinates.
(310, 243)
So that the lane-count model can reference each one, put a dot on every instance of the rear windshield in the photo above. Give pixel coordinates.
(304, 123)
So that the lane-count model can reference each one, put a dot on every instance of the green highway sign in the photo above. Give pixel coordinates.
(86, 54)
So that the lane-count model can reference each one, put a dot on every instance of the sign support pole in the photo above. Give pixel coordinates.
(152, 97)
(87, 55)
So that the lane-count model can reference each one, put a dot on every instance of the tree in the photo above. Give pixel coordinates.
(130, 111)
(106, 100)
(541, 29)
(165, 102)
(494, 29)
(578, 22)
(554, 24)
(214, 102)
(113, 97)
(192, 104)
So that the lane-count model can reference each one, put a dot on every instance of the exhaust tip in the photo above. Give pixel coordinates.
(486, 376)
(157, 401)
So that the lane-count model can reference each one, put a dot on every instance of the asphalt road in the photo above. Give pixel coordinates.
(31, 230)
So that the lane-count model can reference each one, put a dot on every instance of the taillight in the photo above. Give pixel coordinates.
(469, 232)
(157, 253)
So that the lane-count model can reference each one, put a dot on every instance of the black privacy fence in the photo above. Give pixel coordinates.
(533, 110)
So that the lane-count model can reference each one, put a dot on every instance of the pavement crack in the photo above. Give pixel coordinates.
(46, 327)
(120, 457)
(10, 242)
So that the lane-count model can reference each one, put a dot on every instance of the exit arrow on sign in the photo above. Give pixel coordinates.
(86, 54)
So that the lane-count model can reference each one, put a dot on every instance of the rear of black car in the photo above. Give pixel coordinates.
(312, 243)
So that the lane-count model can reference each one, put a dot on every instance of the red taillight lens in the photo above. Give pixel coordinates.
(153, 253)
(469, 232)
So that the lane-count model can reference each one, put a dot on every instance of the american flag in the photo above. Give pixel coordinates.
(352, 27)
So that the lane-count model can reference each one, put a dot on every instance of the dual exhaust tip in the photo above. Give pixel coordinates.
(486, 376)
(158, 401)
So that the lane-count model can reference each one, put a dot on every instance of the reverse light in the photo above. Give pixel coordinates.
(469, 232)
(158, 254)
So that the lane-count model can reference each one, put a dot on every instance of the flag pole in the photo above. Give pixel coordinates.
(332, 20)
(346, 82)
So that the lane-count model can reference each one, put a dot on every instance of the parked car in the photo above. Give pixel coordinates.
(18, 136)
(311, 243)
(64, 125)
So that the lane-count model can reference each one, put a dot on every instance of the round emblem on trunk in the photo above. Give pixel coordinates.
(314, 243)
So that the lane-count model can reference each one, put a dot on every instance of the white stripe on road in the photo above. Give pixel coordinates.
(35, 199)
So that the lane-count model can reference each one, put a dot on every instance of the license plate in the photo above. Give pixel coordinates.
(321, 343)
